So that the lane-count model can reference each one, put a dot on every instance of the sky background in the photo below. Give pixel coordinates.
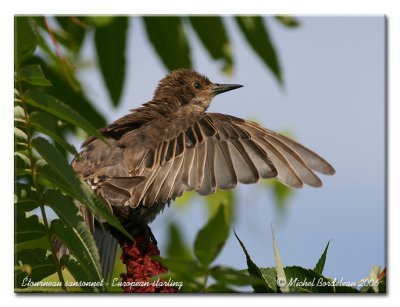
(333, 102)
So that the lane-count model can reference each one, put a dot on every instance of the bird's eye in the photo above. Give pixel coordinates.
(197, 85)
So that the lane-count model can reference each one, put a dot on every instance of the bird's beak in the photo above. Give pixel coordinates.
(222, 88)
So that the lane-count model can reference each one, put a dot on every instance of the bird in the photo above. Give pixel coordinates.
(171, 145)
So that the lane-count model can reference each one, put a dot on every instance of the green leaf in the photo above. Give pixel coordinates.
(256, 34)
(211, 238)
(33, 74)
(60, 110)
(187, 267)
(110, 46)
(186, 197)
(23, 157)
(288, 21)
(101, 21)
(25, 39)
(42, 243)
(229, 276)
(71, 217)
(25, 199)
(190, 272)
(72, 240)
(43, 43)
(305, 280)
(19, 112)
(84, 246)
(372, 278)
(33, 265)
(269, 276)
(280, 273)
(259, 284)
(168, 38)
(219, 288)
(176, 248)
(218, 44)
(189, 284)
(74, 31)
(63, 174)
(76, 269)
(47, 124)
(44, 170)
(61, 62)
(382, 281)
(319, 267)
(20, 135)
(17, 94)
(282, 194)
(62, 90)
(21, 161)
(224, 197)
(27, 228)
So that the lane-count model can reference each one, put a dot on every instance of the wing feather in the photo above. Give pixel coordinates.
(312, 159)
(224, 171)
(209, 185)
(188, 162)
(171, 181)
(250, 173)
(201, 162)
(286, 173)
(205, 153)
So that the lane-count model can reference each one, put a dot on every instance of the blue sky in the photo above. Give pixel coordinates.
(333, 102)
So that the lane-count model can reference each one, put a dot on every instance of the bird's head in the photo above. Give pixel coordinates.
(189, 90)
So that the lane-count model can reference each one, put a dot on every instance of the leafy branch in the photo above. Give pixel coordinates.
(198, 273)
(44, 179)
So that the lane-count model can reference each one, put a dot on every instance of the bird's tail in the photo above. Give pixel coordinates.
(107, 246)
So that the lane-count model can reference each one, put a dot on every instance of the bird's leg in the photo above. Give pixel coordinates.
(151, 235)
(142, 230)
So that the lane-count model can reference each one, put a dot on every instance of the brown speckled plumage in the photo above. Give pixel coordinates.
(171, 145)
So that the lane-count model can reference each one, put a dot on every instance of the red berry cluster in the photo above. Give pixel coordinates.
(140, 268)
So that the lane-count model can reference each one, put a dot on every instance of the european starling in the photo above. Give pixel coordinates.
(171, 144)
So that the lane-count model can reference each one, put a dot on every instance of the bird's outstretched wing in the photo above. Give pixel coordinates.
(202, 154)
